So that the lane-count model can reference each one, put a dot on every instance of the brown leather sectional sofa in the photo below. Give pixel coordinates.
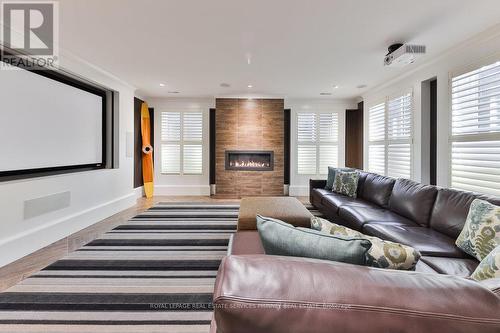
(255, 292)
(426, 217)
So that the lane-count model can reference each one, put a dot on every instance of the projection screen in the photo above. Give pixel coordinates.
(48, 123)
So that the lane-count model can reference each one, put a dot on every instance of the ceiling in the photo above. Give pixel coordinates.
(297, 49)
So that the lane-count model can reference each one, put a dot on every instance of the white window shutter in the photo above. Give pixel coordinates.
(192, 163)
(376, 139)
(317, 142)
(376, 123)
(399, 114)
(193, 126)
(328, 156)
(306, 127)
(475, 127)
(170, 158)
(399, 136)
(182, 142)
(170, 126)
(376, 158)
(306, 155)
(399, 160)
(328, 127)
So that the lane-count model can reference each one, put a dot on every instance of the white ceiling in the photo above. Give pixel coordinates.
(297, 48)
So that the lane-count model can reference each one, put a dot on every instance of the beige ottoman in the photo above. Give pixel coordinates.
(287, 209)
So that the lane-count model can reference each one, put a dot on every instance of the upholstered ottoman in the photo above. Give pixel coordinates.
(287, 209)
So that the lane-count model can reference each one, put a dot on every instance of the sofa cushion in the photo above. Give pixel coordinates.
(451, 266)
(355, 216)
(382, 254)
(427, 241)
(489, 267)
(422, 267)
(317, 195)
(280, 238)
(481, 233)
(413, 200)
(451, 209)
(377, 189)
(245, 242)
(333, 201)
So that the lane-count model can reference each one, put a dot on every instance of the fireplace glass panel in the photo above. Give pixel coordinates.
(250, 160)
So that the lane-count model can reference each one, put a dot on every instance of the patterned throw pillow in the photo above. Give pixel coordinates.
(489, 267)
(331, 176)
(481, 232)
(346, 182)
(382, 254)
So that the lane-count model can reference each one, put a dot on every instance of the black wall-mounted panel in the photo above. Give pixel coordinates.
(212, 146)
(287, 146)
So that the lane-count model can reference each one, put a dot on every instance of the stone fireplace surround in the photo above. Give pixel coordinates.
(249, 125)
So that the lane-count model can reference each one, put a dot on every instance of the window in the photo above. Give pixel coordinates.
(475, 130)
(390, 137)
(317, 142)
(182, 143)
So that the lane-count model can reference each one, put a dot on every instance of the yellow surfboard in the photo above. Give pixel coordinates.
(147, 151)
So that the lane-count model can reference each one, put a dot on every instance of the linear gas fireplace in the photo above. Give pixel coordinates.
(250, 160)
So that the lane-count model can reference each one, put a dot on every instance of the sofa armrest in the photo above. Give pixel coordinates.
(260, 293)
(315, 183)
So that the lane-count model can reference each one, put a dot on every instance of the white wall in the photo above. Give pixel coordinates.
(299, 184)
(176, 184)
(95, 195)
(480, 50)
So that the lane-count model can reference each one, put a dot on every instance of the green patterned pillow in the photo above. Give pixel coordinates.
(489, 267)
(382, 254)
(481, 232)
(346, 182)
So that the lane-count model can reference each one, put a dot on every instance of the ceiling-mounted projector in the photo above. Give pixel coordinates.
(403, 54)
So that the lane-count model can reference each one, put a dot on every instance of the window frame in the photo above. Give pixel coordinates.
(182, 142)
(318, 143)
(495, 136)
(386, 142)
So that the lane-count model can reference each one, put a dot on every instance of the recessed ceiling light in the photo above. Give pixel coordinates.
(325, 94)
(336, 87)
(173, 92)
(225, 85)
(250, 86)
(162, 84)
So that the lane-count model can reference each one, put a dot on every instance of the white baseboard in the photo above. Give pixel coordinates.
(182, 190)
(298, 191)
(22, 244)
(139, 192)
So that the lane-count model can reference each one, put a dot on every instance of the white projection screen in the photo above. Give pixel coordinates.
(47, 124)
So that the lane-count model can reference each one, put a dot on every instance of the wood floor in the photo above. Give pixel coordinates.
(19, 270)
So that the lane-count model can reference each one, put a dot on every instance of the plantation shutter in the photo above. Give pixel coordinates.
(475, 127)
(171, 142)
(182, 142)
(376, 139)
(328, 141)
(399, 136)
(306, 144)
(192, 143)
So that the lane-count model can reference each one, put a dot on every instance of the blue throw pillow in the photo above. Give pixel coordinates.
(331, 176)
(281, 238)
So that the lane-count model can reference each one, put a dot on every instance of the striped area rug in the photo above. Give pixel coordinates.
(155, 273)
